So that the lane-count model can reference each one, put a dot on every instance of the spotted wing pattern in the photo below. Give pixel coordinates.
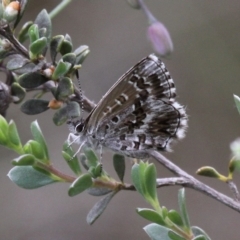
(139, 112)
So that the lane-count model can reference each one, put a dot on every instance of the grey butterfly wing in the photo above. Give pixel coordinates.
(129, 86)
(139, 112)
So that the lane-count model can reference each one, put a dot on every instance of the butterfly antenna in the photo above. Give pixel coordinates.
(81, 94)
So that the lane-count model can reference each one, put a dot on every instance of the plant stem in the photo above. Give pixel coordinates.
(150, 17)
(59, 8)
(193, 183)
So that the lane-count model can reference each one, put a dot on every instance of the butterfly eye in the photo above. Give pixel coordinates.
(79, 128)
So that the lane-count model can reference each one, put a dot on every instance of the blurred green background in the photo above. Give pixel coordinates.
(206, 68)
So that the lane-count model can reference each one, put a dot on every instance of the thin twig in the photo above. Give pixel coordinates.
(6, 32)
(234, 190)
(193, 183)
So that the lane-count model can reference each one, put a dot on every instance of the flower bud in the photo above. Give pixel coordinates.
(11, 11)
(160, 39)
(235, 147)
(55, 104)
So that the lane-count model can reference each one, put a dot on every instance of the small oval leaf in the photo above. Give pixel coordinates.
(98, 208)
(61, 69)
(18, 91)
(80, 184)
(70, 58)
(34, 106)
(44, 21)
(24, 160)
(13, 134)
(157, 232)
(98, 191)
(38, 46)
(81, 54)
(198, 231)
(66, 46)
(71, 110)
(175, 217)
(29, 178)
(150, 175)
(183, 208)
(32, 80)
(136, 179)
(37, 150)
(55, 46)
(22, 35)
(16, 62)
(91, 157)
(38, 136)
(151, 215)
(64, 89)
(119, 165)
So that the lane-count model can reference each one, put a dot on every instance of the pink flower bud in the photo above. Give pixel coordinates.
(160, 39)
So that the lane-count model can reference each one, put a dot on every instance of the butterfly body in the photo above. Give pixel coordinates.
(137, 114)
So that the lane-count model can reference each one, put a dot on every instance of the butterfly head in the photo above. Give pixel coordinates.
(76, 127)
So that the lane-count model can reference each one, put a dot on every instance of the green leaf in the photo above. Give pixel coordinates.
(81, 54)
(164, 212)
(72, 161)
(29, 178)
(61, 69)
(183, 208)
(157, 232)
(97, 191)
(38, 46)
(151, 215)
(237, 102)
(197, 231)
(99, 208)
(83, 161)
(91, 157)
(44, 21)
(66, 46)
(64, 89)
(33, 33)
(70, 58)
(174, 236)
(55, 46)
(175, 217)
(80, 184)
(37, 150)
(119, 165)
(150, 176)
(200, 237)
(18, 91)
(38, 136)
(3, 126)
(137, 181)
(17, 62)
(24, 160)
(13, 134)
(72, 109)
(22, 35)
(98, 170)
(34, 106)
(32, 80)
(209, 172)
(3, 138)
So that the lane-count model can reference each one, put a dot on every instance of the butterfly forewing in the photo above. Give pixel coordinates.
(139, 112)
(149, 74)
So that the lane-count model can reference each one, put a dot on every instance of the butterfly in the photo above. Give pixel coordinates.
(138, 113)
